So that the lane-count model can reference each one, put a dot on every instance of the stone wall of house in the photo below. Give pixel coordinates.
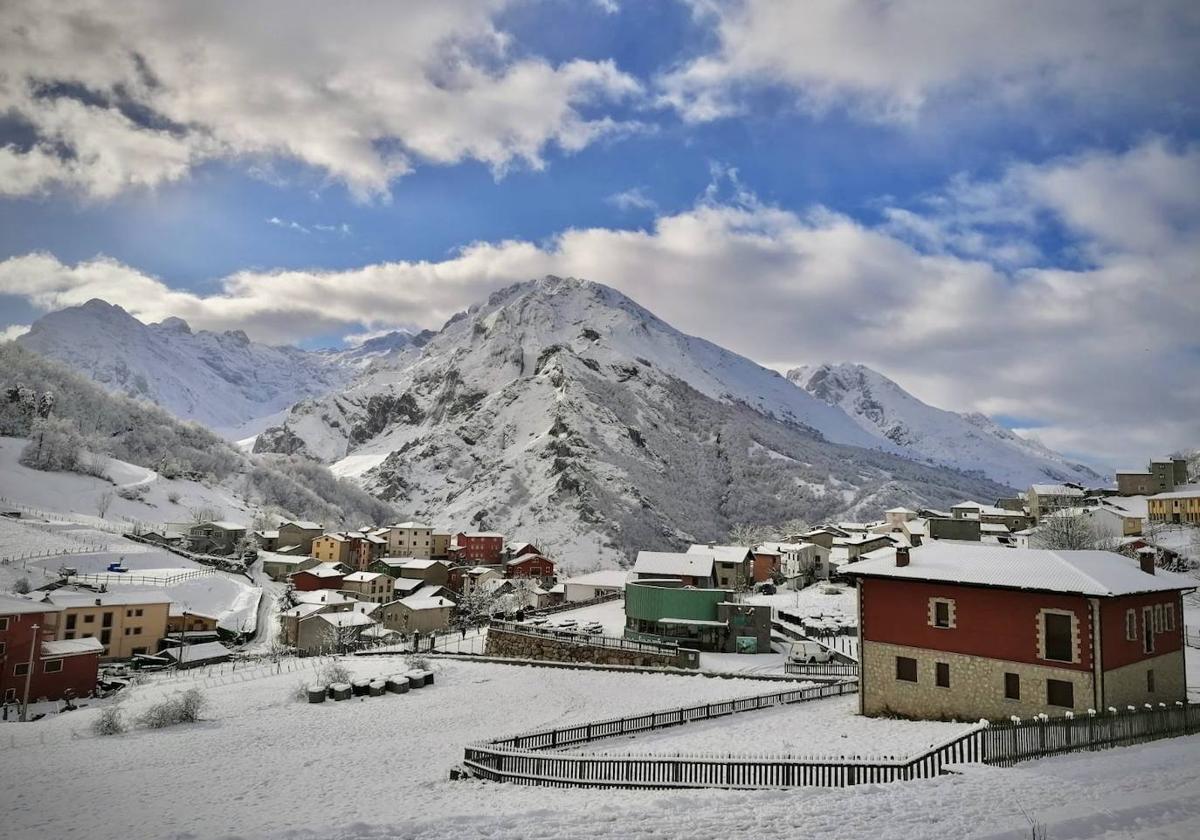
(976, 686)
(521, 646)
(1128, 686)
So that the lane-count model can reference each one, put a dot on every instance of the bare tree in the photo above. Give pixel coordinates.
(104, 502)
(1066, 531)
(749, 535)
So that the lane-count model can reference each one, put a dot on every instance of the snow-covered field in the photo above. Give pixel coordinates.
(817, 728)
(76, 495)
(266, 765)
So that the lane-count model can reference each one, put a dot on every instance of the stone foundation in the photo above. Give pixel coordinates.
(976, 686)
(521, 646)
(1127, 686)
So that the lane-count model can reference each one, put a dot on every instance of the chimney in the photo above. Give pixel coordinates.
(1147, 561)
(901, 555)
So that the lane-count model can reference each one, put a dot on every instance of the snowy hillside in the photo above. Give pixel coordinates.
(223, 380)
(970, 442)
(562, 412)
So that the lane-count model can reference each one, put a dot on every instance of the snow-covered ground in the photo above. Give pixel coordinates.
(817, 728)
(75, 496)
(266, 765)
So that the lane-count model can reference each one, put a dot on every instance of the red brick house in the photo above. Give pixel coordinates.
(323, 576)
(969, 632)
(529, 566)
(479, 549)
(60, 669)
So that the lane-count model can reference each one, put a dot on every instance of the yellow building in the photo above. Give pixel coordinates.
(333, 548)
(410, 539)
(1179, 506)
(126, 623)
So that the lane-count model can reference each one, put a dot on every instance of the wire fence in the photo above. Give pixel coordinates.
(106, 578)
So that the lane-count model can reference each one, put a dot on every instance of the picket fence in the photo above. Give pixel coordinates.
(108, 578)
(532, 758)
(821, 669)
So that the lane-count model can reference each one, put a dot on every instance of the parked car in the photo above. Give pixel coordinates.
(808, 652)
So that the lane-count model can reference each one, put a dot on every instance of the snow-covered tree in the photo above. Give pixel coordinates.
(55, 445)
(104, 502)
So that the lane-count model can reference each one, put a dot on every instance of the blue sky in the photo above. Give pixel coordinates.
(941, 166)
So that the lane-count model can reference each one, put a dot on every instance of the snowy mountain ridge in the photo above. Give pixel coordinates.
(970, 442)
(562, 412)
(223, 380)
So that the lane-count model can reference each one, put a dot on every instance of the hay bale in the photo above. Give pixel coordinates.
(340, 691)
(397, 684)
(361, 687)
(377, 687)
(316, 693)
(416, 678)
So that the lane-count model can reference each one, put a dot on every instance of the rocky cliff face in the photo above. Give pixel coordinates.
(562, 412)
(970, 442)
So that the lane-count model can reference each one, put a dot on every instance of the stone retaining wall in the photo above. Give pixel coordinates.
(521, 646)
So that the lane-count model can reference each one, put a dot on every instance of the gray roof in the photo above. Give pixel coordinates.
(674, 563)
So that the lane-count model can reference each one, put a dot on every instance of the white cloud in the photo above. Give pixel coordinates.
(138, 93)
(888, 60)
(13, 331)
(288, 224)
(634, 198)
(1102, 351)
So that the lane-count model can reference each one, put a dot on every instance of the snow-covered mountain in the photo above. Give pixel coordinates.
(562, 412)
(970, 442)
(223, 380)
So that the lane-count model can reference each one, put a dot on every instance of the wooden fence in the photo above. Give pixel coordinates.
(584, 638)
(821, 669)
(128, 578)
(1012, 741)
(533, 758)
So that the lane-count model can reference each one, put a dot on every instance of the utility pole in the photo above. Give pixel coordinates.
(29, 674)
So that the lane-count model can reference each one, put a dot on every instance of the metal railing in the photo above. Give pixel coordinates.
(582, 638)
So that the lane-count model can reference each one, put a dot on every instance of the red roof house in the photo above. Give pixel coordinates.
(55, 669)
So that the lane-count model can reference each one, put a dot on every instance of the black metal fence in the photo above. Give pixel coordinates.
(583, 638)
(567, 606)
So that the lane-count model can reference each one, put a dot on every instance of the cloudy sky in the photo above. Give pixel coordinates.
(995, 203)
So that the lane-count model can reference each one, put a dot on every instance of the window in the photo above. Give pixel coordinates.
(129, 613)
(1058, 636)
(137, 631)
(128, 630)
(941, 612)
(10, 695)
(1060, 693)
(1131, 625)
(906, 669)
(1158, 618)
(53, 666)
(1169, 617)
(105, 637)
(107, 620)
(138, 650)
(1147, 630)
(1150, 681)
(942, 674)
(20, 669)
(1012, 686)
(89, 619)
(3, 647)
(4, 623)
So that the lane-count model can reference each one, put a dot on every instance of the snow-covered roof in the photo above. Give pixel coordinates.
(303, 610)
(226, 525)
(412, 525)
(482, 534)
(408, 584)
(275, 557)
(361, 577)
(350, 618)
(268, 535)
(337, 536)
(479, 570)
(899, 510)
(197, 653)
(435, 603)
(321, 596)
(71, 647)
(304, 525)
(558, 589)
(721, 553)
(1055, 490)
(87, 598)
(413, 563)
(12, 605)
(1183, 491)
(674, 563)
(1101, 573)
(323, 570)
(525, 558)
(993, 528)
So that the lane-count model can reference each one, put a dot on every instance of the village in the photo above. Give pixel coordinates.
(1061, 619)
